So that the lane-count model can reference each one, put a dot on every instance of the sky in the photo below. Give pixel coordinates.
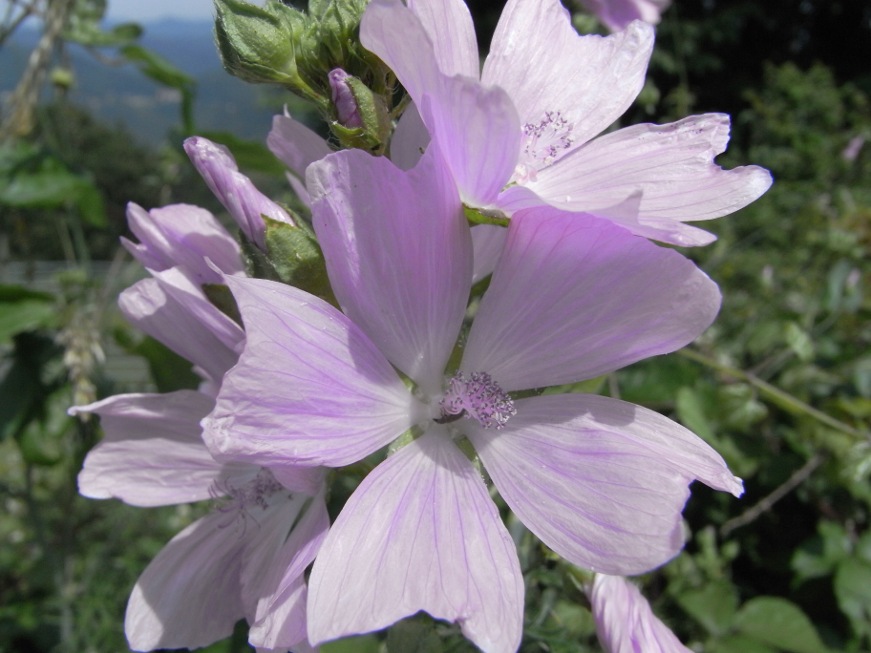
(147, 10)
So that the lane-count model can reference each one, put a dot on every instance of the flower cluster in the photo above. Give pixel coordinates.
(451, 391)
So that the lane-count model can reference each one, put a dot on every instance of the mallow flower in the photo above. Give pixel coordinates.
(624, 621)
(524, 131)
(245, 558)
(618, 14)
(600, 481)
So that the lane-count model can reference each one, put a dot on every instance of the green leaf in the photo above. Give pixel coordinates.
(740, 644)
(853, 591)
(691, 412)
(778, 623)
(819, 555)
(413, 636)
(362, 644)
(713, 606)
(165, 73)
(23, 310)
(800, 342)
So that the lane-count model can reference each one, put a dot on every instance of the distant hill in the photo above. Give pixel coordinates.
(123, 95)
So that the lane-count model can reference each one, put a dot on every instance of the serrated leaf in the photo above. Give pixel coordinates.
(779, 623)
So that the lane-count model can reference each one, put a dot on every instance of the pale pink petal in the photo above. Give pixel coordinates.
(420, 533)
(280, 619)
(400, 259)
(600, 481)
(237, 193)
(449, 26)
(478, 131)
(409, 139)
(671, 167)
(618, 14)
(544, 65)
(487, 243)
(310, 387)
(148, 306)
(182, 235)
(295, 145)
(180, 287)
(394, 33)
(574, 297)
(151, 453)
(190, 594)
(624, 621)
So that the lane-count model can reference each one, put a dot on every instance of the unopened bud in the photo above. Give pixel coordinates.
(344, 101)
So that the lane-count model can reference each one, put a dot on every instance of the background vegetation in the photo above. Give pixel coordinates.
(781, 384)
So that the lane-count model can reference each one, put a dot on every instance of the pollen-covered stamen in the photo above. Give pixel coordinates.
(544, 142)
(479, 397)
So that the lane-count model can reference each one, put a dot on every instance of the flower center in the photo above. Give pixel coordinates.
(544, 141)
(241, 497)
(478, 397)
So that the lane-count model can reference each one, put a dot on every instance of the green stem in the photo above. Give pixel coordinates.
(777, 396)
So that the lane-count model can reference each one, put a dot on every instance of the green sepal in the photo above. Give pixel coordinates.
(292, 256)
(297, 258)
(259, 44)
(475, 216)
(374, 134)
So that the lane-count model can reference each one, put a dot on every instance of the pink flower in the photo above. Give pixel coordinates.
(600, 481)
(247, 557)
(618, 14)
(523, 131)
(624, 621)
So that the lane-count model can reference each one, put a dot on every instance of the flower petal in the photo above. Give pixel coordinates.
(399, 38)
(544, 65)
(190, 594)
(409, 140)
(310, 388)
(295, 145)
(400, 259)
(624, 621)
(182, 235)
(152, 453)
(574, 297)
(449, 26)
(419, 533)
(280, 620)
(600, 481)
(478, 131)
(237, 193)
(671, 166)
(150, 308)
(487, 243)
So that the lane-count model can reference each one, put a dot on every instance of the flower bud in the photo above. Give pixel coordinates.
(362, 119)
(259, 44)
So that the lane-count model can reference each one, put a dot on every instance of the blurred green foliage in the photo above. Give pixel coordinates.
(780, 385)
